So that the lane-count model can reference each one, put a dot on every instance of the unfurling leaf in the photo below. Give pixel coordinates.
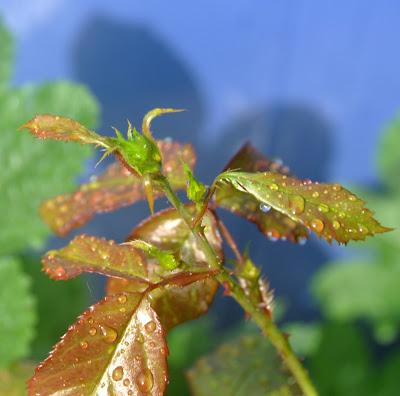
(329, 210)
(195, 189)
(91, 359)
(166, 259)
(115, 188)
(246, 366)
(269, 221)
(46, 126)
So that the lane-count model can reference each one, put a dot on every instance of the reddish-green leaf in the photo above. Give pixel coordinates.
(47, 126)
(269, 221)
(117, 347)
(115, 188)
(176, 303)
(329, 210)
(90, 254)
(168, 231)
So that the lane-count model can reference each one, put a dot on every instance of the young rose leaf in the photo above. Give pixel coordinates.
(269, 221)
(169, 232)
(195, 189)
(165, 258)
(90, 254)
(177, 303)
(245, 366)
(174, 303)
(115, 188)
(116, 347)
(329, 210)
(47, 126)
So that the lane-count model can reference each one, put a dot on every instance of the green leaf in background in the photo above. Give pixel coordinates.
(341, 365)
(245, 366)
(388, 155)
(17, 311)
(13, 379)
(28, 173)
(6, 54)
(186, 343)
(359, 290)
(70, 299)
(304, 337)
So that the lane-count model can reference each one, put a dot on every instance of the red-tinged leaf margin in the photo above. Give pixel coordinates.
(124, 330)
(117, 187)
(47, 126)
(273, 224)
(329, 210)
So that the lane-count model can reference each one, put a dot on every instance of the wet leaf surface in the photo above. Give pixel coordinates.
(269, 221)
(116, 347)
(246, 366)
(329, 210)
(115, 188)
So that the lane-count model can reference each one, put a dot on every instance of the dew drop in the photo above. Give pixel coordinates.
(315, 194)
(323, 208)
(342, 215)
(273, 235)
(362, 229)
(126, 381)
(92, 331)
(297, 204)
(140, 338)
(145, 380)
(118, 373)
(274, 187)
(352, 198)
(150, 326)
(336, 225)
(122, 299)
(317, 225)
(108, 333)
(265, 208)
(59, 272)
(83, 344)
(337, 187)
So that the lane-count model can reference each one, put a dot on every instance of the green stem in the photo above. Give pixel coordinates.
(264, 322)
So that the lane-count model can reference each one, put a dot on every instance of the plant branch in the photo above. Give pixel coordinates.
(265, 323)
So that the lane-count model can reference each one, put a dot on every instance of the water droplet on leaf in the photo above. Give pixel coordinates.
(323, 208)
(145, 380)
(273, 187)
(315, 194)
(109, 334)
(150, 326)
(317, 225)
(297, 204)
(265, 208)
(126, 381)
(336, 225)
(83, 344)
(118, 373)
(122, 299)
(92, 331)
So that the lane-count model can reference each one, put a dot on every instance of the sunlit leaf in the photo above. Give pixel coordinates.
(329, 210)
(243, 367)
(270, 222)
(30, 174)
(115, 188)
(92, 357)
(17, 312)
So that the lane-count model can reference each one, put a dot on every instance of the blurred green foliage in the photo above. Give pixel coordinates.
(33, 308)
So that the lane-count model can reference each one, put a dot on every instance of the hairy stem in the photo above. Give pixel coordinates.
(264, 322)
